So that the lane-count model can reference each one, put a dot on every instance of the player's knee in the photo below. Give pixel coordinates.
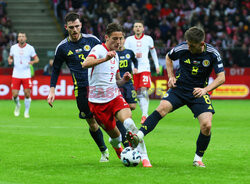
(27, 95)
(132, 106)
(164, 108)
(206, 128)
(93, 126)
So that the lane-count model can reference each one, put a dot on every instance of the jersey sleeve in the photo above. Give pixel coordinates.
(57, 64)
(151, 42)
(32, 52)
(172, 54)
(95, 52)
(218, 64)
(134, 60)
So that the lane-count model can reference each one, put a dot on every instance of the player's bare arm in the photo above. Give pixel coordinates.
(220, 79)
(35, 60)
(10, 60)
(135, 71)
(170, 71)
(51, 97)
(92, 61)
(121, 81)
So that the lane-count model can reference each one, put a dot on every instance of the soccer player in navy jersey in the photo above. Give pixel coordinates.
(189, 86)
(73, 50)
(126, 59)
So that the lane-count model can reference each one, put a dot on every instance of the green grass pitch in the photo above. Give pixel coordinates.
(54, 146)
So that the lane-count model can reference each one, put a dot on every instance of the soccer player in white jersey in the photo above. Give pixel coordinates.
(23, 55)
(105, 99)
(141, 44)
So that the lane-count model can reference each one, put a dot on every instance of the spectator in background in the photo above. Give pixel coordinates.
(5, 56)
(183, 13)
(47, 70)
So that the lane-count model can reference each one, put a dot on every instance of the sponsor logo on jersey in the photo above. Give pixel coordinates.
(127, 56)
(205, 63)
(122, 57)
(78, 51)
(86, 47)
(69, 53)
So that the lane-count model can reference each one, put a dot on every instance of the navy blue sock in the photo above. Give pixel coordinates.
(151, 122)
(123, 131)
(202, 143)
(98, 137)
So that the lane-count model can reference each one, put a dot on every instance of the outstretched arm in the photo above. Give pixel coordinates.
(93, 61)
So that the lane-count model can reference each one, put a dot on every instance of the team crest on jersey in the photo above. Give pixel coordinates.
(165, 95)
(78, 51)
(205, 63)
(86, 47)
(127, 56)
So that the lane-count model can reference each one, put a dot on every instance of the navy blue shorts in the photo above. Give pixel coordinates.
(129, 93)
(81, 95)
(179, 97)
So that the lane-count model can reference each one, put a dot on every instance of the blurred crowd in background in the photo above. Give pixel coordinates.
(8, 36)
(226, 22)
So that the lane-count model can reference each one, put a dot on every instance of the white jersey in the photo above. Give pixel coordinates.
(140, 46)
(22, 56)
(102, 77)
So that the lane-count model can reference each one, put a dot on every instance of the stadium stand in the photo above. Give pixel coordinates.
(226, 23)
(35, 18)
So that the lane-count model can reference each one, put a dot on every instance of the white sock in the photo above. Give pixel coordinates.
(16, 100)
(143, 150)
(140, 134)
(27, 102)
(144, 102)
(197, 158)
(116, 142)
(129, 124)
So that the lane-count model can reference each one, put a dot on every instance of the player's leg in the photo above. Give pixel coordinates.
(162, 110)
(129, 94)
(142, 93)
(94, 129)
(205, 120)
(16, 83)
(123, 131)
(143, 98)
(27, 85)
(105, 116)
(202, 109)
(27, 101)
(169, 103)
(124, 115)
(115, 139)
(132, 106)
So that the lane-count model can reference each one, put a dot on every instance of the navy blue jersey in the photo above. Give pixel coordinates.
(73, 53)
(195, 69)
(126, 57)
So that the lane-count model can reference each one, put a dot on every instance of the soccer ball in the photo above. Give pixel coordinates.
(130, 157)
